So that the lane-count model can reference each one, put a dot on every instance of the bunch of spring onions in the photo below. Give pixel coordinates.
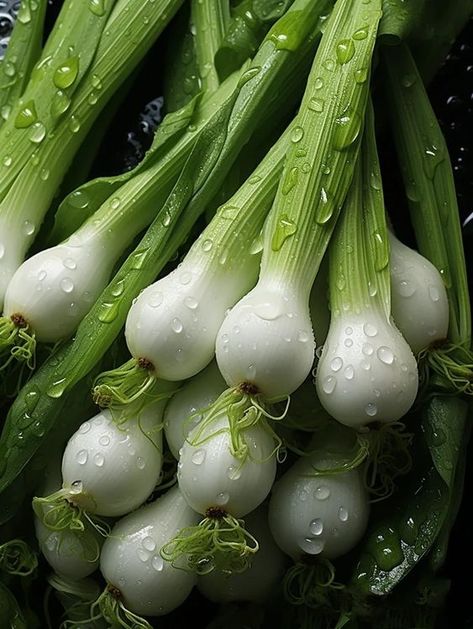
(231, 384)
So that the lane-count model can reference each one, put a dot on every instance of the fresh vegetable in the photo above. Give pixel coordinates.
(139, 580)
(367, 371)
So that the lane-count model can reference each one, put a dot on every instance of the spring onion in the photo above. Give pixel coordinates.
(367, 371)
(139, 580)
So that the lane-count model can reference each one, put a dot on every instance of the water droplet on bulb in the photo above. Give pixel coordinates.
(158, 563)
(67, 285)
(222, 498)
(336, 364)
(329, 385)
(99, 460)
(234, 472)
(198, 457)
(370, 330)
(385, 355)
(104, 440)
(82, 456)
(349, 372)
(176, 325)
(316, 527)
(371, 409)
(342, 514)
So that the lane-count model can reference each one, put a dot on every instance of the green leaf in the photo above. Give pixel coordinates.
(23, 50)
(400, 18)
(11, 616)
(407, 526)
(84, 201)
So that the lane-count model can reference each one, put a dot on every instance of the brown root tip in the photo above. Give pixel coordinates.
(215, 513)
(114, 591)
(249, 388)
(19, 320)
(438, 344)
(144, 363)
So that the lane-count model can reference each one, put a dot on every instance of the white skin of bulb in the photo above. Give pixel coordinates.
(419, 298)
(267, 340)
(259, 581)
(63, 550)
(173, 322)
(195, 395)
(210, 476)
(367, 371)
(130, 559)
(54, 289)
(317, 515)
(117, 466)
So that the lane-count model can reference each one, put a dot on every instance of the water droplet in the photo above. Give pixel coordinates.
(290, 180)
(406, 288)
(371, 409)
(234, 472)
(312, 546)
(76, 488)
(268, 311)
(96, 82)
(329, 64)
(176, 325)
(207, 245)
(104, 440)
(325, 208)
(302, 336)
(185, 278)
(143, 555)
(138, 259)
(26, 116)
(82, 457)
(198, 457)
(84, 429)
(157, 563)
(5, 111)
(37, 132)
(44, 174)
(385, 355)
(342, 514)
(336, 364)
(149, 544)
(316, 527)
(67, 285)
(191, 303)
(365, 364)
(9, 69)
(370, 330)
(318, 83)
(349, 372)
(361, 75)
(408, 80)
(349, 331)
(329, 384)
(115, 203)
(297, 134)
(99, 459)
(254, 180)
(155, 300)
(434, 293)
(74, 124)
(316, 104)
(248, 75)
(92, 98)
(140, 463)
(348, 342)
(345, 49)
(347, 129)
(57, 388)
(284, 229)
(28, 228)
(66, 73)
(360, 34)
(367, 349)
(222, 498)
(69, 263)
(7, 161)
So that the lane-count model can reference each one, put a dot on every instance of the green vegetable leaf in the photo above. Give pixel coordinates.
(84, 201)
